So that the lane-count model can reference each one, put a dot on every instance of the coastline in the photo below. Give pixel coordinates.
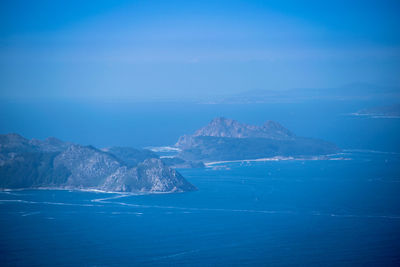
(276, 158)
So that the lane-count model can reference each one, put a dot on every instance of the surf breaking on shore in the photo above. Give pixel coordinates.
(277, 158)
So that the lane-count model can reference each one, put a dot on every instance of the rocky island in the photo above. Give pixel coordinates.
(227, 139)
(52, 163)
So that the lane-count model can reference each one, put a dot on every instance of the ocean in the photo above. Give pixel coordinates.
(341, 211)
(279, 213)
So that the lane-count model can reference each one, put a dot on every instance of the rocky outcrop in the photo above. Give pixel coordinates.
(52, 163)
(226, 139)
(131, 156)
(222, 127)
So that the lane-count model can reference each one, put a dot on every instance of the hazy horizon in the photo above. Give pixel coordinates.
(134, 50)
(304, 170)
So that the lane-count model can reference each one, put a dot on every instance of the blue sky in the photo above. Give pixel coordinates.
(182, 49)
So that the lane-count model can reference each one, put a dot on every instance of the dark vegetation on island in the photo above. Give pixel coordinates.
(52, 163)
(226, 139)
(55, 164)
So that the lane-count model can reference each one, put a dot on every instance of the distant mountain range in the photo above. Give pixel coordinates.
(226, 139)
(354, 91)
(52, 163)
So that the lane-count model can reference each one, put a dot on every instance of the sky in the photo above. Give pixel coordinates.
(138, 50)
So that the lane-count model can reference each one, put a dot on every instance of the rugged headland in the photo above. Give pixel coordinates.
(226, 139)
(52, 163)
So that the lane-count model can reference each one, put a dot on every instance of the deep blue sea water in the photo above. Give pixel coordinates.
(279, 213)
(327, 212)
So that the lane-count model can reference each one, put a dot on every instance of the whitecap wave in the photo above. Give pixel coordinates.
(47, 203)
(177, 254)
(277, 212)
(30, 213)
(370, 151)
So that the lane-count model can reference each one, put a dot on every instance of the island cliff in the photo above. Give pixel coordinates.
(226, 139)
(53, 163)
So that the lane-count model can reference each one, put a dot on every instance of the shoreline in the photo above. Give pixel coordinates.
(276, 158)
